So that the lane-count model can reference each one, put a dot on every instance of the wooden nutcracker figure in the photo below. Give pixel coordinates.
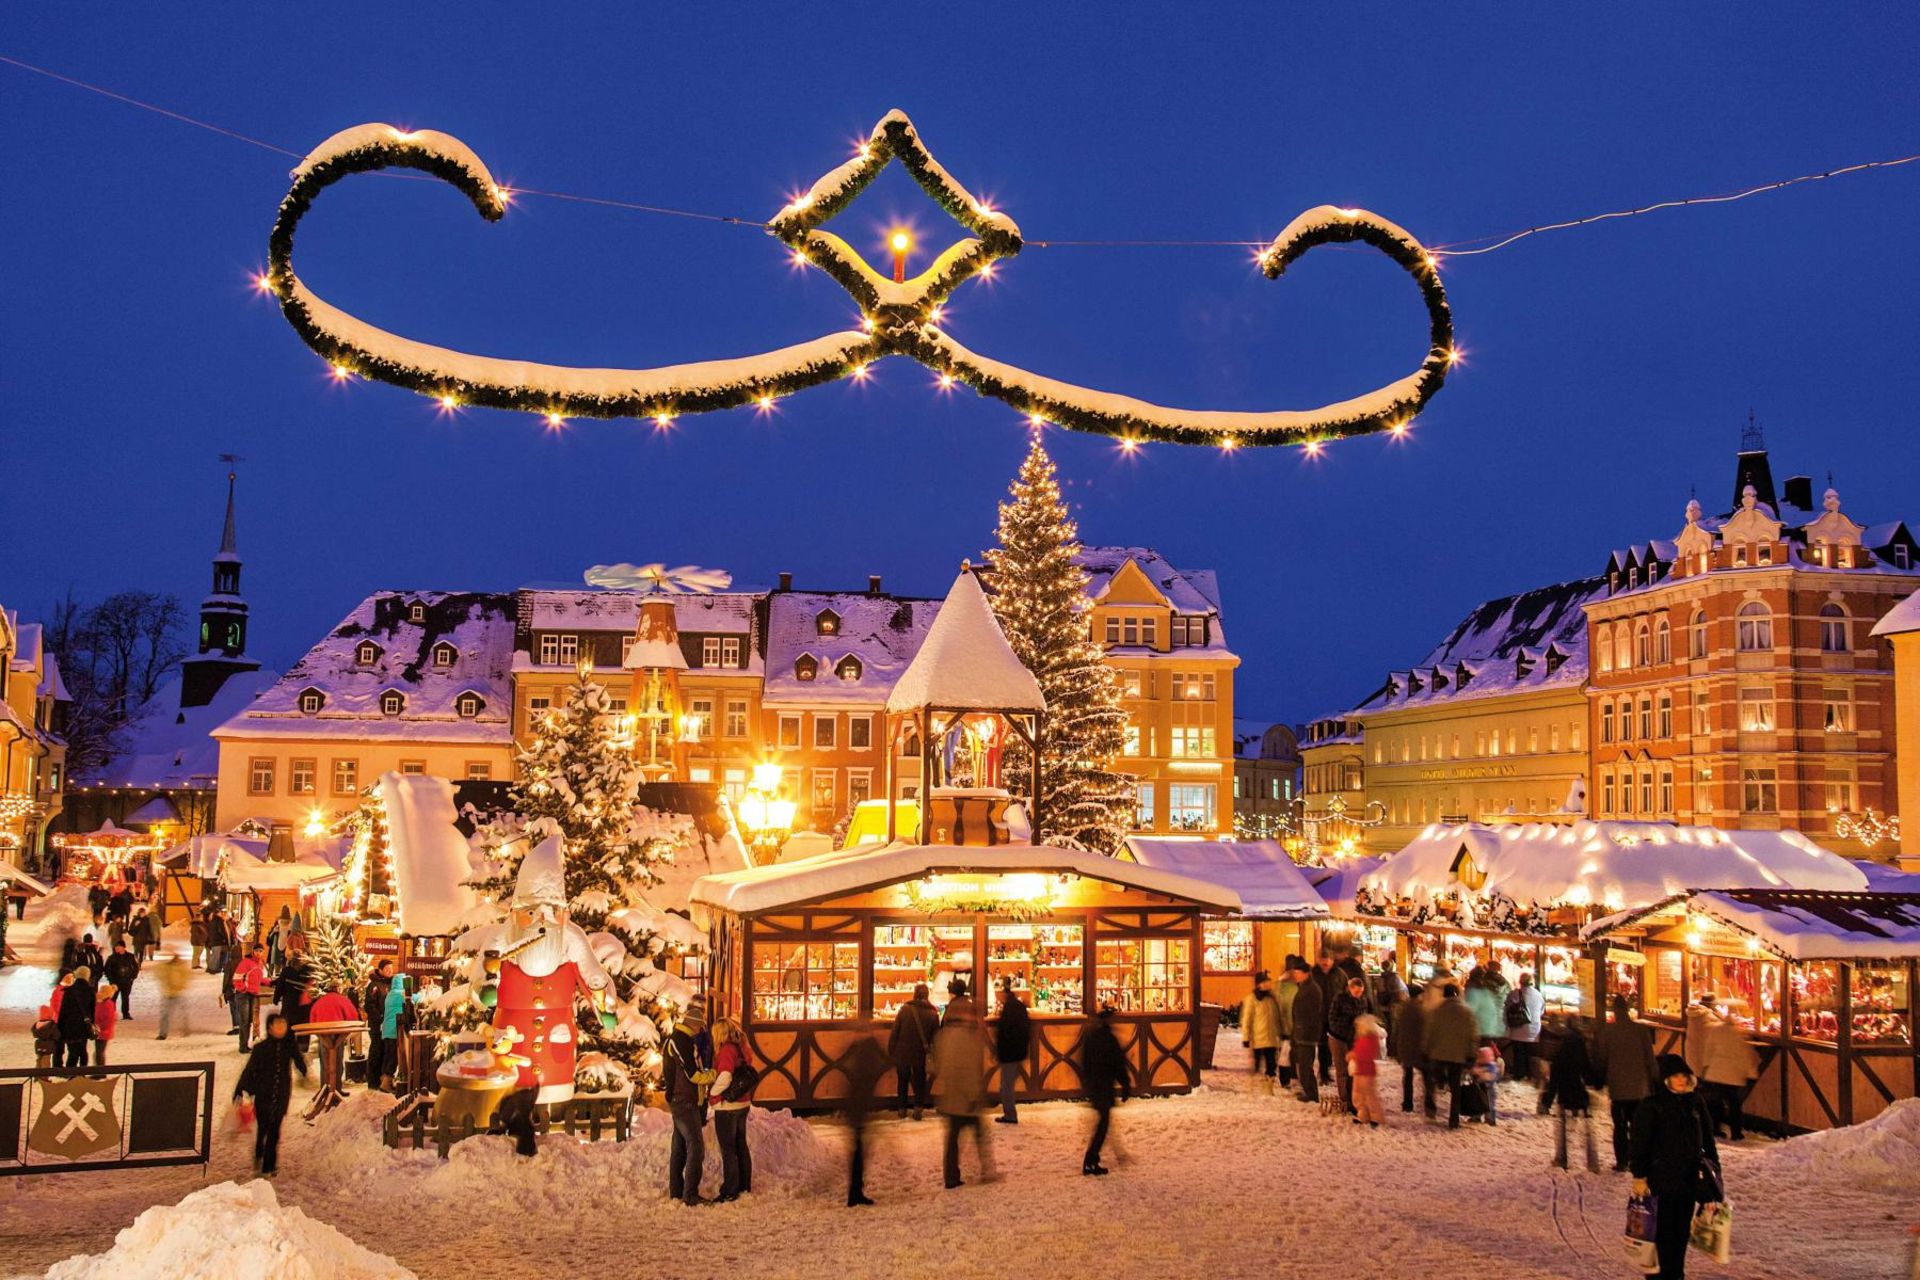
(544, 965)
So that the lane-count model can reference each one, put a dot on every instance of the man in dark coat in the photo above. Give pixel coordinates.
(122, 968)
(1449, 1040)
(290, 993)
(1012, 1038)
(1623, 1062)
(1675, 1158)
(687, 1102)
(97, 900)
(77, 1001)
(89, 955)
(268, 1079)
(1103, 1070)
(1329, 983)
(1406, 1037)
(374, 1002)
(908, 1045)
(1309, 1028)
(120, 905)
(1348, 1004)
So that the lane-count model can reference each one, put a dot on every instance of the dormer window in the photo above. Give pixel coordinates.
(826, 623)
(416, 612)
(848, 669)
(366, 653)
(1900, 556)
(392, 702)
(805, 667)
(444, 655)
(311, 700)
(468, 705)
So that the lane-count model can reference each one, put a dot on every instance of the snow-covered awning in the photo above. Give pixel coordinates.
(1795, 924)
(851, 871)
(965, 663)
(1270, 885)
(431, 862)
(1337, 882)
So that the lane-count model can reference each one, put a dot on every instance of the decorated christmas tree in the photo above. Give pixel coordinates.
(1040, 597)
(333, 958)
(576, 780)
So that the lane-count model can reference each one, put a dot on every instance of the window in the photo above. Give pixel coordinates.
(1130, 684)
(790, 731)
(1606, 794)
(1740, 555)
(302, 777)
(848, 669)
(311, 700)
(416, 612)
(823, 736)
(1192, 741)
(1144, 975)
(1533, 739)
(1622, 647)
(479, 771)
(826, 623)
(469, 705)
(730, 651)
(444, 655)
(537, 708)
(735, 725)
(1697, 635)
(1666, 715)
(859, 733)
(733, 781)
(1606, 722)
(1187, 631)
(1143, 806)
(1755, 629)
(1839, 792)
(1833, 629)
(1702, 722)
(1479, 745)
(805, 981)
(805, 667)
(1666, 789)
(1756, 711)
(1573, 743)
(710, 651)
(1113, 629)
(569, 649)
(367, 653)
(260, 776)
(346, 777)
(1646, 791)
(1838, 716)
(1643, 646)
(859, 787)
(700, 773)
(1758, 793)
(1227, 947)
(549, 651)
(392, 702)
(822, 794)
(1646, 717)
(1626, 792)
(413, 766)
(1456, 746)
(1553, 737)
(701, 709)
(1190, 805)
(1900, 556)
(1662, 642)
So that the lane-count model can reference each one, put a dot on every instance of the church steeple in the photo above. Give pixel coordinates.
(222, 644)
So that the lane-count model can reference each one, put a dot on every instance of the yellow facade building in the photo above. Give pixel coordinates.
(1901, 629)
(33, 756)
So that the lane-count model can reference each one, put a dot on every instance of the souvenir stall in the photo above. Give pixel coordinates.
(1822, 984)
(1280, 915)
(406, 873)
(1337, 881)
(1516, 896)
(245, 874)
(111, 855)
(809, 956)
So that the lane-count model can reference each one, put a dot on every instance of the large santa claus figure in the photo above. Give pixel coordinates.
(545, 961)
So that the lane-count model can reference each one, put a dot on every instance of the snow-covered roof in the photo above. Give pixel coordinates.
(1801, 925)
(153, 813)
(479, 625)
(850, 871)
(882, 632)
(965, 661)
(9, 872)
(1270, 885)
(1900, 619)
(205, 855)
(1196, 591)
(611, 610)
(1338, 881)
(168, 747)
(1616, 865)
(431, 859)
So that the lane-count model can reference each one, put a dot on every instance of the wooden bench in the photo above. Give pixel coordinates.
(588, 1116)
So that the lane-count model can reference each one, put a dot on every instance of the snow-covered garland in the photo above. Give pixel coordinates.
(1495, 912)
(899, 317)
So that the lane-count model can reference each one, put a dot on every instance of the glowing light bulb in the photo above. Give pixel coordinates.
(503, 194)
(1430, 262)
(935, 314)
(1035, 421)
(1229, 444)
(764, 402)
(986, 271)
(800, 257)
(1397, 429)
(1456, 356)
(663, 420)
(555, 421)
(449, 404)
(1313, 448)
(341, 373)
(900, 241)
(859, 373)
(400, 135)
(946, 381)
(1128, 444)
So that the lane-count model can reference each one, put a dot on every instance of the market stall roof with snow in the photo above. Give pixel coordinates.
(1268, 882)
(1792, 924)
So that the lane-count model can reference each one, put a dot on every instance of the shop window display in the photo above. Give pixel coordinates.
(805, 981)
(1047, 963)
(1744, 989)
(1662, 975)
(1560, 979)
(1229, 947)
(1816, 1001)
(1882, 1003)
(1144, 975)
(906, 954)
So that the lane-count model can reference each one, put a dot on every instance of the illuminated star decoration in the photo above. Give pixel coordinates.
(899, 314)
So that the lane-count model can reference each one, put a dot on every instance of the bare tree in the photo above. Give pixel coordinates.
(113, 656)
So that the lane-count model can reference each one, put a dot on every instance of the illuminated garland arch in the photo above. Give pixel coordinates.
(899, 316)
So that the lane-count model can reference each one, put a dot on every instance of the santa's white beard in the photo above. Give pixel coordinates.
(546, 953)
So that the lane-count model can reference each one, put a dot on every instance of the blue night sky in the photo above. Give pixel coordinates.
(1609, 368)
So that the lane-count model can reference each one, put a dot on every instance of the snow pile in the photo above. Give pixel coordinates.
(1881, 1154)
(231, 1231)
(61, 915)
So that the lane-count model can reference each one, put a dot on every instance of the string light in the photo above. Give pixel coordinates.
(860, 373)
(1313, 448)
(946, 381)
(262, 283)
(448, 404)
(1129, 445)
(555, 421)
(341, 373)
(662, 421)
(1228, 444)
(764, 403)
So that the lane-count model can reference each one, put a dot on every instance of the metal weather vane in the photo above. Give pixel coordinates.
(900, 314)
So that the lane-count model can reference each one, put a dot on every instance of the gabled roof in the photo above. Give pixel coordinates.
(965, 661)
(884, 632)
(1801, 925)
(1270, 886)
(1189, 592)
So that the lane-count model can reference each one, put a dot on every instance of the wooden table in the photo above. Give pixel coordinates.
(332, 1038)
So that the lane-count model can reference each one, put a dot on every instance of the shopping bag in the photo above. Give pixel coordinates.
(1643, 1212)
(242, 1116)
(1712, 1232)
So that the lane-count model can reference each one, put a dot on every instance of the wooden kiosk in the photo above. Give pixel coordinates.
(811, 956)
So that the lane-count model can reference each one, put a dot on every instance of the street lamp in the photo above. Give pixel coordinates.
(765, 816)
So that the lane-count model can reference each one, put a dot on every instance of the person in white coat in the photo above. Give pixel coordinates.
(1729, 1065)
(1524, 1008)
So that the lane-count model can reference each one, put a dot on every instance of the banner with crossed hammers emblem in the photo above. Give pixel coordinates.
(77, 1119)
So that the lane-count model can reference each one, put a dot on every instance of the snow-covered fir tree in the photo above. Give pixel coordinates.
(333, 958)
(577, 780)
(1040, 597)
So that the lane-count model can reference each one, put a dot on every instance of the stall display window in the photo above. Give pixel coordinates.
(1461, 952)
(1623, 980)
(805, 981)
(1816, 1000)
(1514, 959)
(1047, 963)
(1423, 957)
(1560, 979)
(1228, 947)
(1745, 990)
(1145, 975)
(1378, 943)
(1882, 1003)
(1662, 976)
(906, 954)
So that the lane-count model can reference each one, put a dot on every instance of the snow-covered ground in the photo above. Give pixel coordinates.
(1221, 1183)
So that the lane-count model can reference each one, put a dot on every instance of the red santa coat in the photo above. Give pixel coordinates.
(541, 1010)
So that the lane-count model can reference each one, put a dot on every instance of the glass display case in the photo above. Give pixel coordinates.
(1816, 1000)
(1560, 979)
(1881, 1003)
(1745, 989)
(1047, 963)
(805, 981)
(1228, 947)
(1144, 975)
(907, 954)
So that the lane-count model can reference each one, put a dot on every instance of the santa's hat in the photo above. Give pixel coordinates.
(542, 881)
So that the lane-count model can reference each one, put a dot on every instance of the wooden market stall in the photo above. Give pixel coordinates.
(1821, 982)
(109, 855)
(1280, 912)
(809, 956)
(251, 878)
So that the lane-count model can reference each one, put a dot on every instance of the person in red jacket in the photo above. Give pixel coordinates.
(334, 1007)
(1363, 1066)
(106, 1012)
(247, 980)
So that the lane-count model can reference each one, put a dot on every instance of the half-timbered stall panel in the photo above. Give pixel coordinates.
(810, 956)
(1822, 984)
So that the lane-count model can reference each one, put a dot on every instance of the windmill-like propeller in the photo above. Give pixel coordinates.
(686, 579)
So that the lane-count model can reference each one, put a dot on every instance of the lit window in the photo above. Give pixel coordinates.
(260, 776)
(826, 623)
(346, 777)
(859, 787)
(1833, 629)
(1190, 805)
(1839, 793)
(1758, 791)
(1756, 710)
(805, 667)
(790, 731)
(848, 669)
(701, 709)
(1191, 741)
(735, 725)
(1755, 630)
(537, 708)
(710, 651)
(1130, 740)
(1839, 711)
(1143, 806)
(302, 777)
(730, 651)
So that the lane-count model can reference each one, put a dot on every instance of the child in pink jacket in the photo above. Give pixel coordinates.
(1363, 1068)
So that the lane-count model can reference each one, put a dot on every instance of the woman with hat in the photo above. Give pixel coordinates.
(1674, 1158)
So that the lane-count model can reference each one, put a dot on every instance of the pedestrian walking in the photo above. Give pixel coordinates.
(152, 933)
(1568, 1074)
(731, 1107)
(1674, 1158)
(249, 978)
(88, 954)
(1522, 1012)
(46, 1036)
(1260, 1020)
(197, 939)
(105, 1018)
(1309, 1028)
(1623, 1062)
(1404, 1041)
(219, 936)
(171, 978)
(959, 1083)
(1485, 1076)
(1283, 993)
(1389, 993)
(1329, 985)
(1363, 1071)
(1104, 1071)
(268, 1080)
(1012, 1041)
(909, 1044)
(97, 899)
(116, 933)
(1343, 1017)
(1448, 1041)
(1730, 1065)
(866, 1063)
(689, 1070)
(74, 1002)
(373, 1004)
(1486, 998)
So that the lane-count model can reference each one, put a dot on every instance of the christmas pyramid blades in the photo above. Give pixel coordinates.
(900, 313)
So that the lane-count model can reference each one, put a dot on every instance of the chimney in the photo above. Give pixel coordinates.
(1798, 492)
(786, 582)
(873, 584)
